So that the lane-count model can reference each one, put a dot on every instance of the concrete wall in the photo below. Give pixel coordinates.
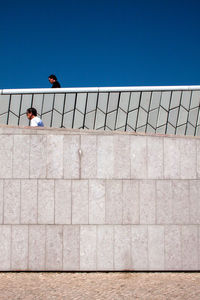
(87, 200)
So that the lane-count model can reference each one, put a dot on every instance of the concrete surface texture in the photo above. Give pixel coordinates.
(82, 200)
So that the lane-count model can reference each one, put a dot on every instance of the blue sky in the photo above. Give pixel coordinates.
(99, 43)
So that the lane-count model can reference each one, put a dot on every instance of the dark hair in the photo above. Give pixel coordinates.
(32, 110)
(53, 77)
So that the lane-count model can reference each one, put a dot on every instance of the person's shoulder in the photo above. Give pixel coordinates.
(36, 121)
(56, 84)
(39, 122)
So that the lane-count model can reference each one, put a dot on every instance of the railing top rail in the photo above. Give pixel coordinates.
(100, 89)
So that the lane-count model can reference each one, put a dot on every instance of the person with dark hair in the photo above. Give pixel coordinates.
(32, 116)
(53, 80)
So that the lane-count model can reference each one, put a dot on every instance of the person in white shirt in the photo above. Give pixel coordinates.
(32, 116)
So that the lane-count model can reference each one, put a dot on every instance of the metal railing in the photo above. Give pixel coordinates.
(167, 110)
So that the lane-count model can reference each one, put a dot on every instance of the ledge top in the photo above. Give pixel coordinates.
(27, 130)
(100, 89)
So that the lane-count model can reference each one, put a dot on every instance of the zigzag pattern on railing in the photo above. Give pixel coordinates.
(154, 111)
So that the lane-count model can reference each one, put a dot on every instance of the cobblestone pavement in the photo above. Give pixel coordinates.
(15, 286)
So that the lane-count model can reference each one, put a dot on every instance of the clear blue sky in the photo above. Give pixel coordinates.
(99, 43)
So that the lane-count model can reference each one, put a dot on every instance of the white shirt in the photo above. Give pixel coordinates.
(37, 122)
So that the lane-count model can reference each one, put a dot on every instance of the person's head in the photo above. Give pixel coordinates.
(52, 78)
(31, 113)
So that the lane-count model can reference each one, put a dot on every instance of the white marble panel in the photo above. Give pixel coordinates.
(138, 157)
(147, 202)
(194, 195)
(114, 205)
(105, 246)
(122, 163)
(105, 157)
(156, 247)
(21, 153)
(188, 158)
(199, 245)
(97, 193)
(55, 156)
(139, 249)
(36, 247)
(173, 248)
(6, 142)
(46, 202)
(1, 201)
(88, 247)
(71, 247)
(6, 163)
(11, 201)
(122, 247)
(172, 158)
(89, 156)
(180, 203)
(190, 248)
(71, 156)
(198, 158)
(63, 200)
(164, 200)
(155, 157)
(131, 213)
(38, 156)
(54, 245)
(5, 247)
(19, 257)
(29, 201)
(80, 202)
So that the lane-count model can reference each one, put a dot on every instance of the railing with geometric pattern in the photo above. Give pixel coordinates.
(167, 110)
